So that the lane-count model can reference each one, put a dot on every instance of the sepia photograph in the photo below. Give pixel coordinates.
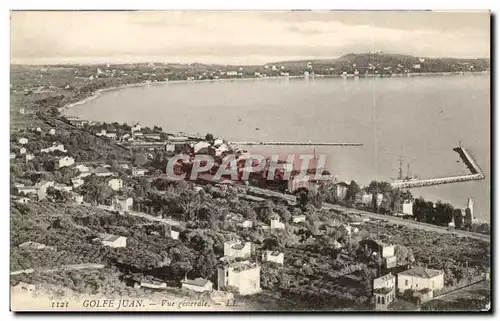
(255, 161)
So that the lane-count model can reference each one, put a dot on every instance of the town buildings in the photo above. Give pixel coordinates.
(114, 241)
(42, 189)
(298, 218)
(139, 171)
(408, 208)
(84, 170)
(244, 276)
(237, 249)
(116, 184)
(78, 198)
(420, 278)
(384, 290)
(22, 141)
(65, 161)
(273, 256)
(275, 223)
(32, 245)
(383, 250)
(122, 203)
(55, 147)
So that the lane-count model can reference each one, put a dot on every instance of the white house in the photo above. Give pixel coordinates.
(197, 285)
(111, 136)
(116, 184)
(22, 150)
(174, 234)
(136, 128)
(12, 156)
(237, 249)
(408, 208)
(244, 276)
(245, 224)
(123, 203)
(139, 171)
(55, 146)
(29, 157)
(32, 245)
(78, 198)
(52, 131)
(273, 256)
(23, 140)
(26, 189)
(384, 289)
(65, 161)
(114, 241)
(42, 189)
(298, 218)
(276, 224)
(420, 278)
(84, 170)
(22, 200)
(170, 147)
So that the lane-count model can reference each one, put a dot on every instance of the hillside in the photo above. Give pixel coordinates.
(383, 61)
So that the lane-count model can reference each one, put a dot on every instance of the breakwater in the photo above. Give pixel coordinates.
(476, 174)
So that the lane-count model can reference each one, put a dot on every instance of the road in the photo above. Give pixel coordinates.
(409, 223)
(81, 266)
(149, 217)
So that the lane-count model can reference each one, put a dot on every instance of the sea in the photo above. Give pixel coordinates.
(418, 119)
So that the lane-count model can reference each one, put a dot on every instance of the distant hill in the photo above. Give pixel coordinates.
(379, 61)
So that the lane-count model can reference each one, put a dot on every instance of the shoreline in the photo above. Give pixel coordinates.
(99, 92)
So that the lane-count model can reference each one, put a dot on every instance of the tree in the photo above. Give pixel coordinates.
(352, 191)
(367, 277)
(468, 219)
(58, 195)
(209, 138)
(459, 220)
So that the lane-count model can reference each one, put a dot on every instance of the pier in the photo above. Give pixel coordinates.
(476, 174)
(295, 144)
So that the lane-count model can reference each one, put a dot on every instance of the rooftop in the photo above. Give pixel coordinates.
(110, 238)
(422, 272)
(101, 170)
(386, 277)
(242, 266)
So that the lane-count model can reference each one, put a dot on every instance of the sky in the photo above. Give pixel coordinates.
(241, 37)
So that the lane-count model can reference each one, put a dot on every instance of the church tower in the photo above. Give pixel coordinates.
(470, 207)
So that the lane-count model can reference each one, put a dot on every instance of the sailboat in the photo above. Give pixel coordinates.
(408, 177)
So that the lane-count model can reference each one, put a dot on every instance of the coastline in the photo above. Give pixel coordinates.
(99, 92)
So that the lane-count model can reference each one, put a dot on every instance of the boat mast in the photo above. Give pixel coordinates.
(400, 167)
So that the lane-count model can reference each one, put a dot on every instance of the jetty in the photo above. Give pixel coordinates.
(295, 144)
(475, 174)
